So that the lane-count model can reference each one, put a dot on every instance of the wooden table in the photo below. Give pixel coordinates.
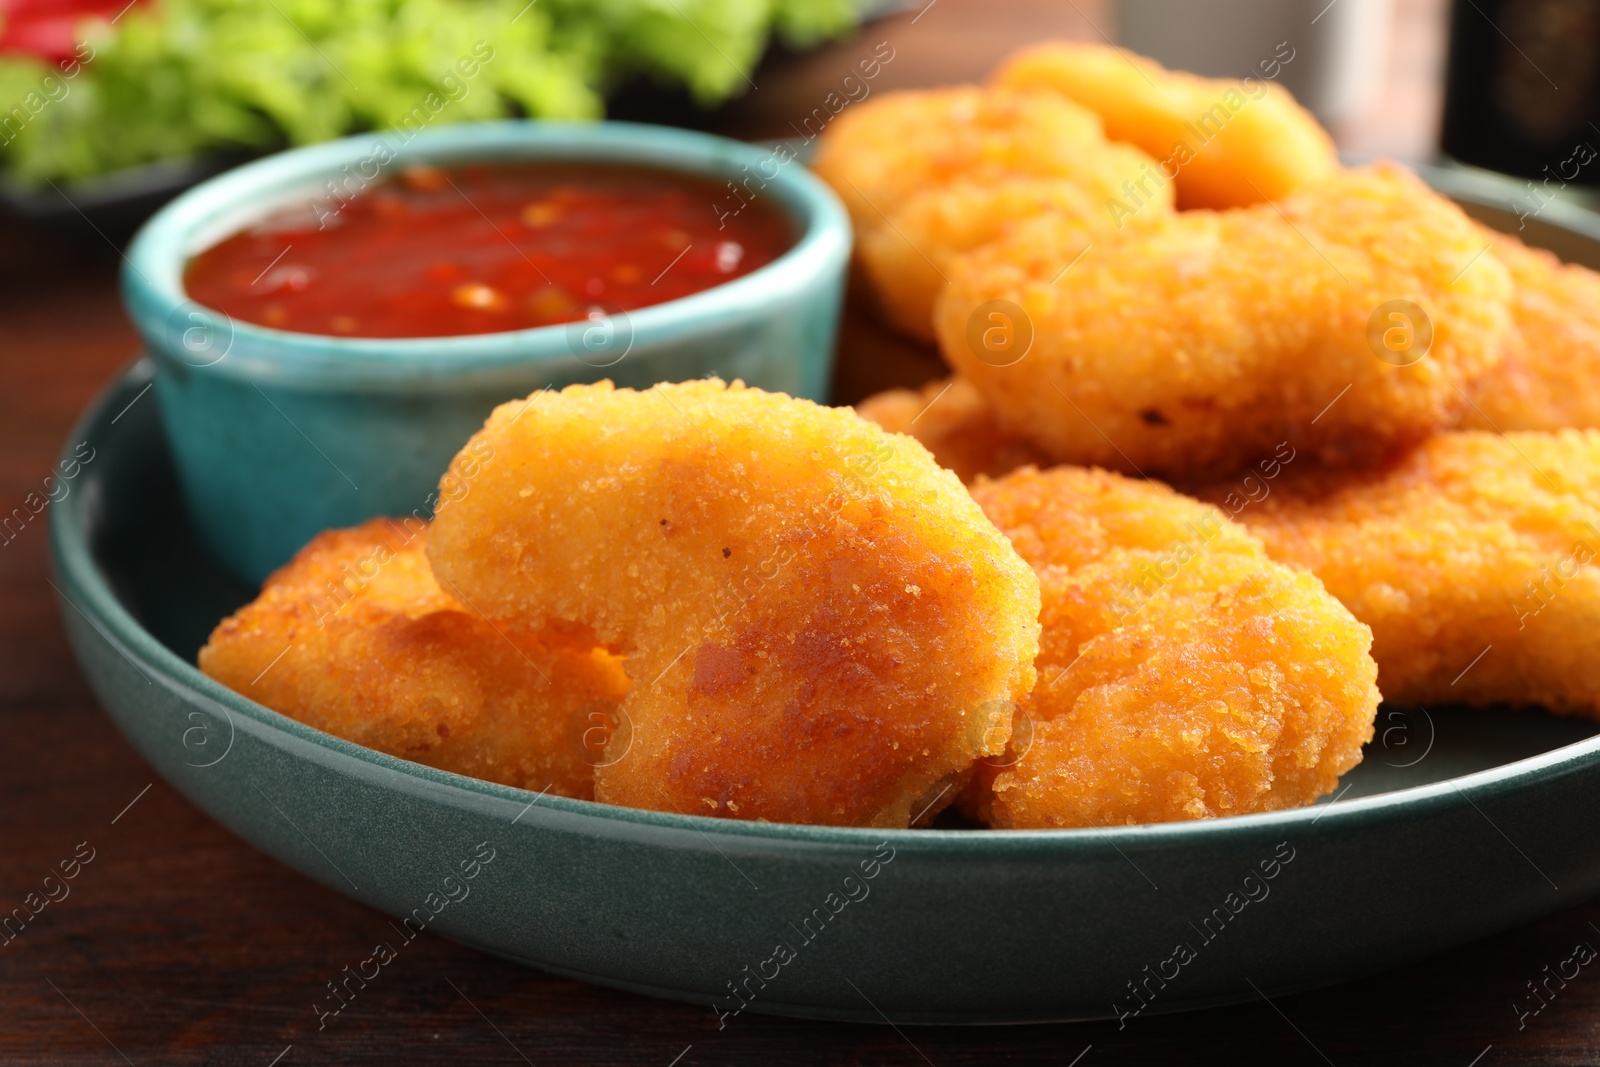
(179, 944)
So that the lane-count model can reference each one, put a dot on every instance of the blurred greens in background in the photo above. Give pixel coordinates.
(179, 78)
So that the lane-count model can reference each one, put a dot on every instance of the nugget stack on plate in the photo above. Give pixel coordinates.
(1376, 390)
(1182, 673)
(707, 599)
(697, 598)
(929, 175)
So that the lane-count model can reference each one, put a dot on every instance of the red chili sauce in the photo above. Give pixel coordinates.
(484, 248)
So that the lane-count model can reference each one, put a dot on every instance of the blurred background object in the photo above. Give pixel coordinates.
(1523, 89)
(109, 106)
(48, 29)
(157, 94)
(1389, 108)
(1338, 49)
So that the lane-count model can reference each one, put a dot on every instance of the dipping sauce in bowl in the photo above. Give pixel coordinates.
(320, 355)
(486, 248)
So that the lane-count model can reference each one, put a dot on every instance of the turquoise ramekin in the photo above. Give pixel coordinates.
(278, 435)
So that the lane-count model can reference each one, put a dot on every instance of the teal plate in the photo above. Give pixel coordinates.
(1455, 826)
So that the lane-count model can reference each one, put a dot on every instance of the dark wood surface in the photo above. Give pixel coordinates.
(179, 944)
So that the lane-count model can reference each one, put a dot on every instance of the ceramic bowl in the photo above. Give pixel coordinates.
(1456, 825)
(279, 435)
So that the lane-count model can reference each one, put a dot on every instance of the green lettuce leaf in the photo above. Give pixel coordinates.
(181, 78)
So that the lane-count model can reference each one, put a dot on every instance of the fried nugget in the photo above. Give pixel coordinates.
(821, 626)
(353, 636)
(1182, 673)
(1472, 559)
(955, 423)
(1549, 378)
(881, 152)
(1189, 345)
(1223, 143)
(905, 259)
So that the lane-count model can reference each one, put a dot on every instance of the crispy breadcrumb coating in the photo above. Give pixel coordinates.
(1472, 542)
(1549, 378)
(906, 258)
(1182, 674)
(1223, 143)
(354, 637)
(955, 423)
(822, 627)
(883, 151)
(1188, 345)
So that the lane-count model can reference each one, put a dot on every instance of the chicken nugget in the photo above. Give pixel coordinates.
(1472, 559)
(1182, 673)
(955, 423)
(881, 152)
(821, 626)
(353, 636)
(1549, 377)
(1222, 143)
(1188, 345)
(905, 259)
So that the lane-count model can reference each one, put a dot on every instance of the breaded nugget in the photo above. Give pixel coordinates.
(1472, 542)
(1549, 378)
(906, 258)
(821, 625)
(1182, 673)
(1191, 344)
(1223, 143)
(955, 423)
(353, 636)
(881, 152)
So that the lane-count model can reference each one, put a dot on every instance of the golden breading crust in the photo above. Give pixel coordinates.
(1226, 143)
(354, 637)
(1190, 345)
(881, 152)
(821, 625)
(1549, 378)
(955, 423)
(906, 257)
(1182, 674)
(1473, 541)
